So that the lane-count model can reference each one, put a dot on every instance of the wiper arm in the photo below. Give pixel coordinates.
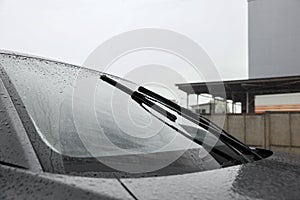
(143, 99)
(201, 121)
(139, 98)
(173, 106)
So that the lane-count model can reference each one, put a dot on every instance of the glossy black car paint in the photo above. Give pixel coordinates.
(277, 177)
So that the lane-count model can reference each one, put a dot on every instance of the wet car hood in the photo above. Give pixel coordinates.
(277, 177)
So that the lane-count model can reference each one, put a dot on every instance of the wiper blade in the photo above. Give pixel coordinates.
(144, 99)
(141, 95)
(173, 106)
(139, 98)
(203, 122)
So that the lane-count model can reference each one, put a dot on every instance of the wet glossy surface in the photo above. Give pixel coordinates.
(277, 177)
(20, 184)
(15, 146)
(77, 115)
(71, 112)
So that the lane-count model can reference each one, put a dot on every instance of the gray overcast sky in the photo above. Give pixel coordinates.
(70, 30)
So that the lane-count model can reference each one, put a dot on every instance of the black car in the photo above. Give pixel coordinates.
(68, 132)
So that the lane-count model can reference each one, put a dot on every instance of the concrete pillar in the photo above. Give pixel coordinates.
(248, 103)
(251, 103)
(187, 100)
(212, 106)
(232, 103)
(244, 104)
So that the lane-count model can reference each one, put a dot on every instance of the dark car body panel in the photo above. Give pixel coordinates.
(23, 184)
(277, 177)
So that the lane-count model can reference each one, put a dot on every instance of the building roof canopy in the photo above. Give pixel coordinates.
(238, 89)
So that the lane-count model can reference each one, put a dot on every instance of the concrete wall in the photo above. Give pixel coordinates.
(274, 38)
(274, 131)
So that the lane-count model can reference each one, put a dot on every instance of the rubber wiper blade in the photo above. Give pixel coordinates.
(144, 99)
(201, 121)
(173, 106)
(139, 98)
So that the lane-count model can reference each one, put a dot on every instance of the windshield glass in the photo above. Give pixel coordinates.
(78, 115)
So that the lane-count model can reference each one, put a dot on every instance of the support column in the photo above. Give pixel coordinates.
(213, 106)
(187, 100)
(248, 103)
(251, 103)
(232, 103)
(244, 103)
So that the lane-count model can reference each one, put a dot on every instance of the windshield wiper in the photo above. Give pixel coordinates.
(139, 98)
(203, 122)
(143, 99)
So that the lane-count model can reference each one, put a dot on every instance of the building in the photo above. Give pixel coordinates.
(245, 91)
(274, 38)
(285, 103)
(204, 108)
(274, 61)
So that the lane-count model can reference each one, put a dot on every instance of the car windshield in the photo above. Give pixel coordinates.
(78, 115)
